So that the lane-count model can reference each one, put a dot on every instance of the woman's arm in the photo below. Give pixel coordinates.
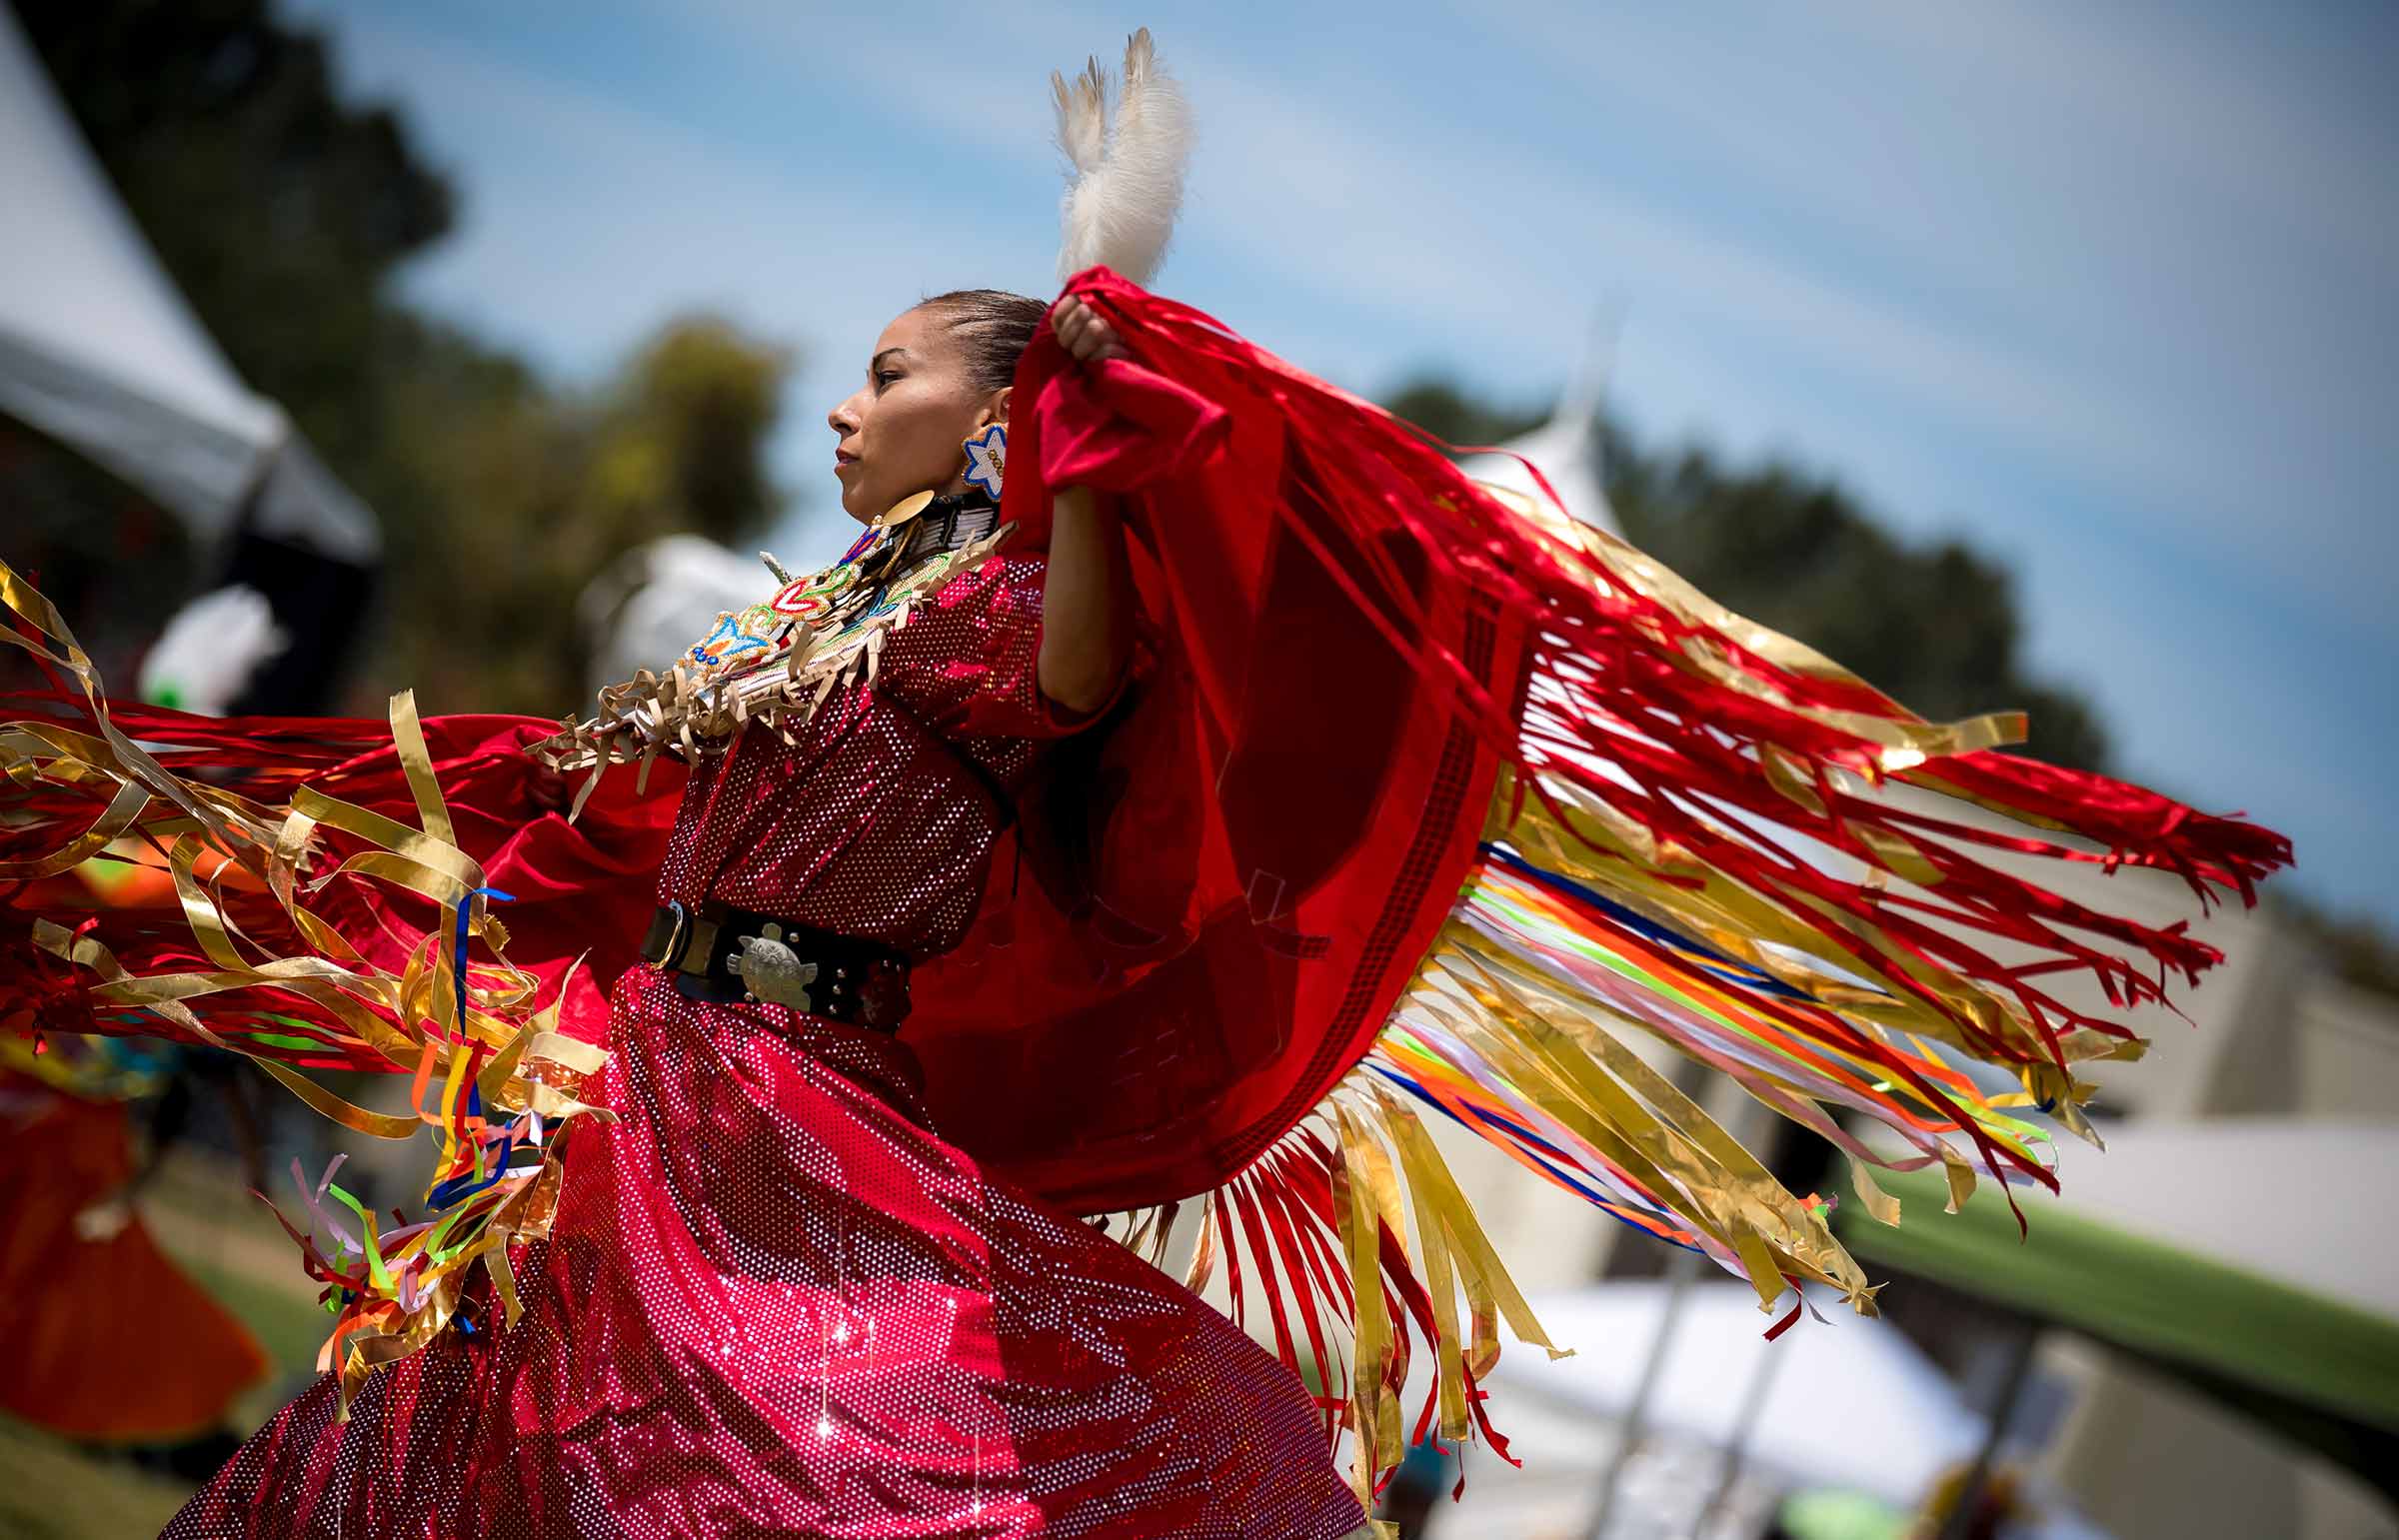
(1087, 620)
(1087, 629)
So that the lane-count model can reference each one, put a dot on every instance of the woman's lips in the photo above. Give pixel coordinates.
(843, 462)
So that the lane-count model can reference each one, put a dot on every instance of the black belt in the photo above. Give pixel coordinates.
(862, 983)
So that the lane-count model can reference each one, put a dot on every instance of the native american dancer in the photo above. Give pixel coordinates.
(1187, 776)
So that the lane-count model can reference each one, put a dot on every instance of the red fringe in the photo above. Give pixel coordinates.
(1280, 1212)
(1625, 694)
(1611, 682)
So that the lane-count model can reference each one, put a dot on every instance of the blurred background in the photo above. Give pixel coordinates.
(2033, 357)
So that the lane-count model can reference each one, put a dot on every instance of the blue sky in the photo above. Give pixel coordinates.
(2108, 290)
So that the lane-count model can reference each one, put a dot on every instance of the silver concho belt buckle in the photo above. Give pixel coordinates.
(770, 971)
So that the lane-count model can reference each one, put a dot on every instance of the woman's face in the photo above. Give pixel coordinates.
(905, 429)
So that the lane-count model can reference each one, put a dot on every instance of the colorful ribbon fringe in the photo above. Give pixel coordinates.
(507, 1078)
(1699, 839)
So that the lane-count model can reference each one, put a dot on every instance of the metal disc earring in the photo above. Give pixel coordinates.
(903, 511)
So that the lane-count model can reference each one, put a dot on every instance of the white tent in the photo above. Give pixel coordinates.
(99, 350)
(1851, 1404)
(1566, 447)
(2303, 1202)
(655, 601)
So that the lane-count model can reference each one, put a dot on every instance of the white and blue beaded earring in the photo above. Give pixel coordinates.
(987, 455)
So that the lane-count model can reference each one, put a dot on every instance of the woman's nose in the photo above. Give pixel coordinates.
(841, 420)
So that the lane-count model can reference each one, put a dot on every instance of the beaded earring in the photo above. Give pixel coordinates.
(986, 457)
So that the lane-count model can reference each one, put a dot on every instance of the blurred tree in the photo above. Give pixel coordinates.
(681, 432)
(282, 211)
(1440, 408)
(515, 494)
(2359, 947)
(277, 209)
(114, 565)
(1933, 626)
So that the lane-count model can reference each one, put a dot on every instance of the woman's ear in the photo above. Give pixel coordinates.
(995, 409)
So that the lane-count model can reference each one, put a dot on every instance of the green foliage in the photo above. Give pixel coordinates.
(515, 495)
(1933, 626)
(683, 426)
(282, 211)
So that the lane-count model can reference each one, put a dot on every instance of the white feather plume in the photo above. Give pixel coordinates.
(1125, 185)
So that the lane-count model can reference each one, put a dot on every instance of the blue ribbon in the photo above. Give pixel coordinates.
(461, 1187)
(1710, 961)
(458, 958)
(1543, 1150)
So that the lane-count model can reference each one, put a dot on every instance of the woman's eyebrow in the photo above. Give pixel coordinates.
(877, 362)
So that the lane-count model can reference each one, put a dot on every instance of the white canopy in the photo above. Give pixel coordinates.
(1566, 447)
(1852, 1403)
(2303, 1202)
(655, 601)
(99, 350)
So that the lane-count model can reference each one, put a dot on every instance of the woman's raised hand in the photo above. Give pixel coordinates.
(545, 787)
(1086, 338)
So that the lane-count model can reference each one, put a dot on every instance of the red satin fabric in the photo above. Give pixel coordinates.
(583, 892)
(1233, 884)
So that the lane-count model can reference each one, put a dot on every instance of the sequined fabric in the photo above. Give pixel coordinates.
(775, 1302)
(879, 821)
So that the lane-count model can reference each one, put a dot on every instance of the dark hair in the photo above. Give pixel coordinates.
(994, 328)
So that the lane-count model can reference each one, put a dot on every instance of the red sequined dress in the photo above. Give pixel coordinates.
(775, 1301)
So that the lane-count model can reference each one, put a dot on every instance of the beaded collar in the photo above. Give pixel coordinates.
(781, 658)
(958, 517)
